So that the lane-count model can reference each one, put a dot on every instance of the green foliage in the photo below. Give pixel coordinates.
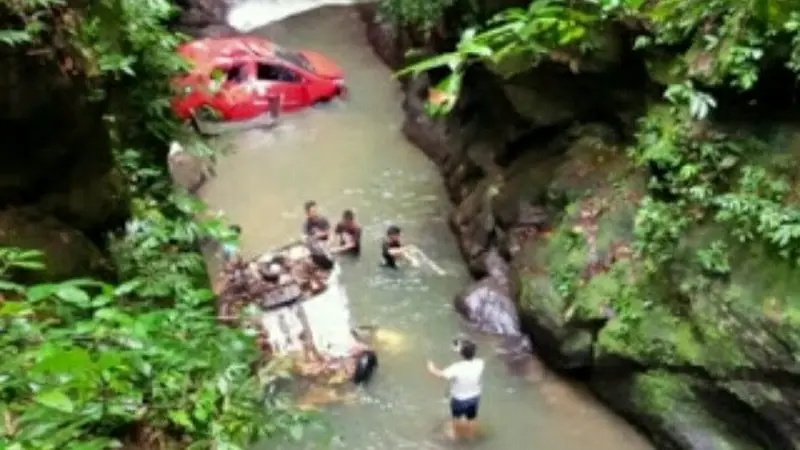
(715, 194)
(532, 33)
(420, 14)
(725, 41)
(89, 364)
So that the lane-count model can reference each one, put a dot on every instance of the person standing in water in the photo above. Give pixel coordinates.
(465, 388)
(230, 248)
(349, 233)
(315, 226)
(393, 250)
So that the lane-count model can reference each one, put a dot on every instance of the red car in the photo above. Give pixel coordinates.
(239, 78)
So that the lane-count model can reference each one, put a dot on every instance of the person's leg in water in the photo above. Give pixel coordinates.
(464, 415)
(471, 422)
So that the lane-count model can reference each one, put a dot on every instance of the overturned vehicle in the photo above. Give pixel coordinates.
(294, 298)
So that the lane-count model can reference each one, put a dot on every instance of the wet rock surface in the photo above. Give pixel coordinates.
(536, 168)
(203, 18)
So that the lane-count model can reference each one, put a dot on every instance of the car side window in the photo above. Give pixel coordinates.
(235, 74)
(273, 72)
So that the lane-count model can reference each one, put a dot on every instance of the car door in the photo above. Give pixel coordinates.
(230, 91)
(276, 80)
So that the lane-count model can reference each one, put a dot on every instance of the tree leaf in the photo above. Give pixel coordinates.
(127, 287)
(12, 287)
(56, 400)
(13, 309)
(41, 291)
(74, 295)
(181, 417)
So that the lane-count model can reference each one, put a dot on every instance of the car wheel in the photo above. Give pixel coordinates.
(340, 93)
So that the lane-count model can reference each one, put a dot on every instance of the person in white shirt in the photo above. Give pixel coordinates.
(465, 388)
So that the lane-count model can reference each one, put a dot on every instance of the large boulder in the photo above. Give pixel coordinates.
(203, 18)
(67, 252)
(188, 170)
(488, 305)
(58, 157)
(710, 368)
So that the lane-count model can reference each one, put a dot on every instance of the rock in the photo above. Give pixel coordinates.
(671, 408)
(383, 36)
(187, 170)
(488, 305)
(203, 18)
(696, 372)
(430, 134)
(67, 252)
(92, 203)
(724, 355)
(61, 161)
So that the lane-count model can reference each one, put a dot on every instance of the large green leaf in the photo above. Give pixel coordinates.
(55, 399)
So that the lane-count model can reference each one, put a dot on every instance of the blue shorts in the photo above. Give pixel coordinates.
(467, 409)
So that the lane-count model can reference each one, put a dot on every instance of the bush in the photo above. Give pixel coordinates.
(91, 364)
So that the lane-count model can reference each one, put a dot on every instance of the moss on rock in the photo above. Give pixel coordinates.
(670, 407)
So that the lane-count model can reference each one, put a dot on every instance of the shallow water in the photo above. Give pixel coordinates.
(352, 155)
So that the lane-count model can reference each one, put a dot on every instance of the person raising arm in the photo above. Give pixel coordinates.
(465, 388)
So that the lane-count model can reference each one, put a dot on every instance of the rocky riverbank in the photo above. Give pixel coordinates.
(545, 197)
(60, 191)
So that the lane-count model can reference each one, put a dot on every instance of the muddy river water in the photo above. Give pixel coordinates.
(353, 155)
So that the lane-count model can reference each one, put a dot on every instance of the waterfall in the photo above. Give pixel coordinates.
(247, 15)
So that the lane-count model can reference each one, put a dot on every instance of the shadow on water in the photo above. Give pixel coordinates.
(352, 155)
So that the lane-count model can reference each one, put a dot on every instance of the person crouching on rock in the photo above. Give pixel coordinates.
(349, 233)
(465, 388)
(393, 250)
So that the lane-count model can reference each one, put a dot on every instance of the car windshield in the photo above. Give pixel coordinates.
(294, 58)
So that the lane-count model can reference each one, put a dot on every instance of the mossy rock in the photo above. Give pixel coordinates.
(746, 319)
(674, 410)
(67, 252)
(568, 279)
(583, 158)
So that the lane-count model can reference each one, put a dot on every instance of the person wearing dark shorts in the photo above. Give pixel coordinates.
(349, 233)
(465, 388)
(315, 226)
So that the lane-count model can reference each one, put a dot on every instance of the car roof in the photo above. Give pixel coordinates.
(204, 54)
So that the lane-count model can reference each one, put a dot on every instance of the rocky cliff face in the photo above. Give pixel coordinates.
(203, 18)
(537, 170)
(59, 189)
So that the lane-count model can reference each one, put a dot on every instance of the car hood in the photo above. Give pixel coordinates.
(323, 65)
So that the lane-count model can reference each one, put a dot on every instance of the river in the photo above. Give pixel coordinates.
(353, 155)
